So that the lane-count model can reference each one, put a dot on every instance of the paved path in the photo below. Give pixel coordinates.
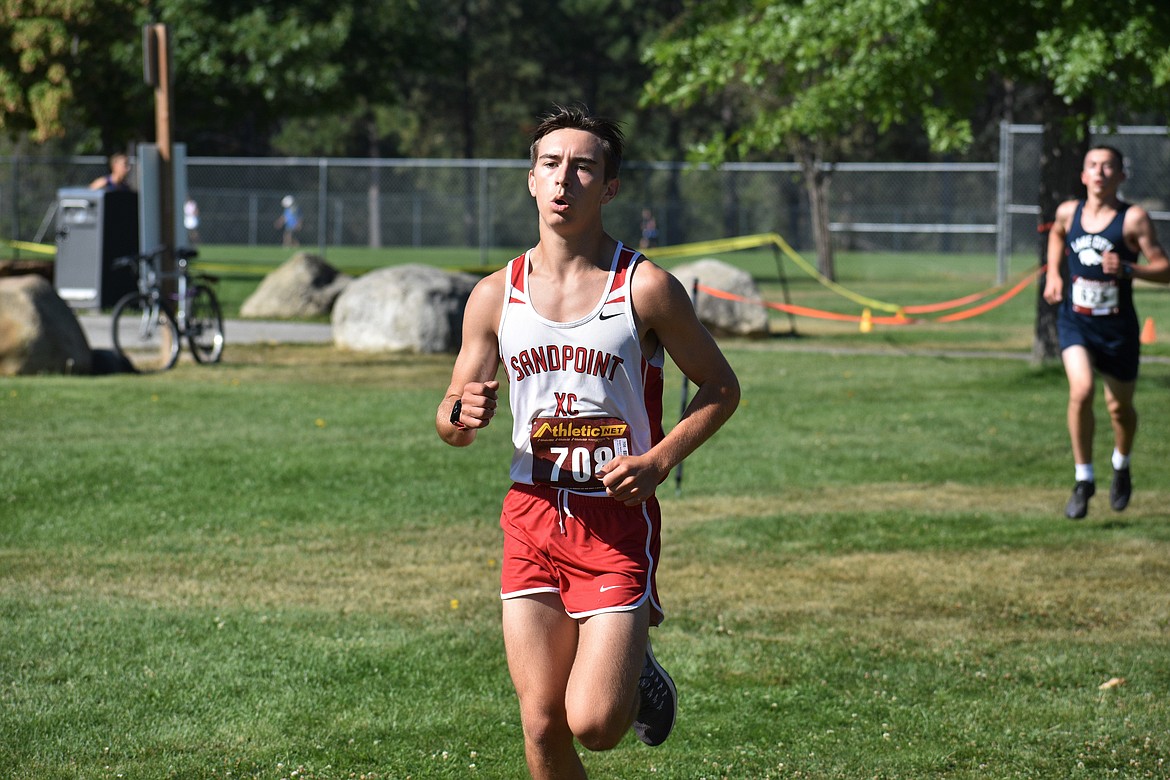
(97, 330)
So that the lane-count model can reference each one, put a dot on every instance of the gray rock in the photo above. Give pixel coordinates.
(720, 315)
(39, 333)
(304, 286)
(405, 308)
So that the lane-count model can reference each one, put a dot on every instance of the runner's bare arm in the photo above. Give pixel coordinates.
(1141, 235)
(1053, 282)
(664, 311)
(473, 379)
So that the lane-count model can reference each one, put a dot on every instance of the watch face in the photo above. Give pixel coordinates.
(456, 410)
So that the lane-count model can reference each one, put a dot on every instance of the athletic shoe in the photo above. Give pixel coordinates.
(1078, 504)
(1120, 489)
(659, 702)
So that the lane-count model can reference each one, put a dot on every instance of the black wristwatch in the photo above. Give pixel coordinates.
(1125, 271)
(456, 411)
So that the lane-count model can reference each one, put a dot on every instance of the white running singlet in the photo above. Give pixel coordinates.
(581, 392)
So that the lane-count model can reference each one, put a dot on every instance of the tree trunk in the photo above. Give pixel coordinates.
(1065, 140)
(731, 207)
(816, 186)
(675, 230)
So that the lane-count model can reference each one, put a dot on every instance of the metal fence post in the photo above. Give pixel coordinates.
(322, 205)
(1003, 239)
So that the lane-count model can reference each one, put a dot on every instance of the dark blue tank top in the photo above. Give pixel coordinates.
(1092, 291)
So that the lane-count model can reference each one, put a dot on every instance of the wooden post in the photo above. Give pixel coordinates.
(159, 51)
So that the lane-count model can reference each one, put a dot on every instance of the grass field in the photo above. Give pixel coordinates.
(272, 568)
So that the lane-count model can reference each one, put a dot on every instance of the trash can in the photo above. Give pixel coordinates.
(94, 228)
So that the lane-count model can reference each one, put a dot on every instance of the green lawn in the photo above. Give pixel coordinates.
(272, 568)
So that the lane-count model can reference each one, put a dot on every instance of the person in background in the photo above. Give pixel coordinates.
(289, 220)
(1102, 239)
(118, 179)
(191, 221)
(649, 236)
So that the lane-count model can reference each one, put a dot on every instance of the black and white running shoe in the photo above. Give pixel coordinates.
(659, 702)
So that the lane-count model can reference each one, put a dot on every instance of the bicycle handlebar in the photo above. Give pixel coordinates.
(182, 254)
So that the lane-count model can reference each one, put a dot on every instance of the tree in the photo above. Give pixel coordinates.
(806, 76)
(806, 79)
(34, 72)
(238, 67)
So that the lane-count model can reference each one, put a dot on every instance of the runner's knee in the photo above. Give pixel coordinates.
(599, 733)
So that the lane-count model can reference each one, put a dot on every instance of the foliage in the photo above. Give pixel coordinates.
(397, 78)
(817, 70)
(806, 79)
(1117, 53)
(34, 77)
(241, 67)
(237, 67)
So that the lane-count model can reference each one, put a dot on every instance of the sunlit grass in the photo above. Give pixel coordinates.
(273, 568)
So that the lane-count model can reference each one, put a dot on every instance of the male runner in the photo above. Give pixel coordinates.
(580, 323)
(1103, 238)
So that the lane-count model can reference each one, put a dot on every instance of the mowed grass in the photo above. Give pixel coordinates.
(272, 568)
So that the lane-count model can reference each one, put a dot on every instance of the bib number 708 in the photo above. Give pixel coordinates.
(583, 465)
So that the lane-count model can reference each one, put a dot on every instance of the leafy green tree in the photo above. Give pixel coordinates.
(238, 67)
(241, 67)
(804, 79)
(35, 81)
(807, 78)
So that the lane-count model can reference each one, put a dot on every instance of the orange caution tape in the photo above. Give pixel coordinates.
(896, 319)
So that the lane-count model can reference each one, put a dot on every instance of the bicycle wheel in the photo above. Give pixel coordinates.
(145, 334)
(205, 326)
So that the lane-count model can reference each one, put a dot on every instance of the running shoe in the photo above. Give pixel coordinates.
(1078, 503)
(659, 702)
(1120, 489)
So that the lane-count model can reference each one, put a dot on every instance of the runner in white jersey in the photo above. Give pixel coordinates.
(581, 392)
(581, 324)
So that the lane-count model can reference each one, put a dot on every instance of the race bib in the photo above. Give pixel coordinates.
(568, 451)
(1095, 296)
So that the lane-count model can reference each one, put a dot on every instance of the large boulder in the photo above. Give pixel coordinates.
(39, 333)
(304, 286)
(21, 267)
(723, 316)
(405, 308)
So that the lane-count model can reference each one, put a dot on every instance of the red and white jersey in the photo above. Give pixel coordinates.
(581, 392)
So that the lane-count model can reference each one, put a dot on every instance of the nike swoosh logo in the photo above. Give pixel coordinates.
(604, 588)
(609, 316)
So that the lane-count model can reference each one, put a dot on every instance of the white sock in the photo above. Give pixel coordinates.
(1085, 472)
(1120, 461)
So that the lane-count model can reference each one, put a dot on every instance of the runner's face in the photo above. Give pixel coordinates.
(1101, 173)
(568, 179)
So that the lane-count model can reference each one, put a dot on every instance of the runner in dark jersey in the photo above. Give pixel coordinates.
(1103, 239)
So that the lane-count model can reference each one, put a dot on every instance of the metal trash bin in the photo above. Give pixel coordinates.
(94, 228)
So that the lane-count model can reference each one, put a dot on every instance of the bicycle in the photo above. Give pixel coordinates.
(147, 329)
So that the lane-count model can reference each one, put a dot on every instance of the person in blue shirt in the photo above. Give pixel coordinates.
(290, 220)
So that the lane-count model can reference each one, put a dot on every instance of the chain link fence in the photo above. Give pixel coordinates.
(985, 208)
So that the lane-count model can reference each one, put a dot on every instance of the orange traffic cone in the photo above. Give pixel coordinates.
(1148, 335)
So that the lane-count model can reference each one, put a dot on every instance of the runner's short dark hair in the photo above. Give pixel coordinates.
(576, 117)
(1114, 150)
